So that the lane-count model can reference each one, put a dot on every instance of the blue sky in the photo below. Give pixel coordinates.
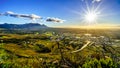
(63, 9)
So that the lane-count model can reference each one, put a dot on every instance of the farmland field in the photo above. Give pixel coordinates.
(60, 48)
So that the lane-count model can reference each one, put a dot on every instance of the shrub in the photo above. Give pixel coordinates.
(42, 48)
(102, 63)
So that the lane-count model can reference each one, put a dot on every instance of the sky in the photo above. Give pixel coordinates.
(60, 13)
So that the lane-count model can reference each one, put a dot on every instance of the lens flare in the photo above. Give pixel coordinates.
(91, 17)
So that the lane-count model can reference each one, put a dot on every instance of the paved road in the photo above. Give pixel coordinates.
(84, 46)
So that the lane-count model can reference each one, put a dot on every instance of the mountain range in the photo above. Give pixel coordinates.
(23, 26)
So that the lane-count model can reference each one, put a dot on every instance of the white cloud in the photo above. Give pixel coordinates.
(96, 1)
(55, 20)
(12, 14)
(33, 17)
(93, 1)
(9, 12)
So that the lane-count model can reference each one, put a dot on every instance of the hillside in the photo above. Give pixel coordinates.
(60, 48)
(30, 26)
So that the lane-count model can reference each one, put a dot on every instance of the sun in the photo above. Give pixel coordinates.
(91, 17)
(90, 13)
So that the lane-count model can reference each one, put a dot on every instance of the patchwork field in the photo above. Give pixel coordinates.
(60, 48)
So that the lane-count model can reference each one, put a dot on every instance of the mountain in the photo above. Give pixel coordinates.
(31, 26)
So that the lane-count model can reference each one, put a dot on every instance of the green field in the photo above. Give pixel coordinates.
(60, 48)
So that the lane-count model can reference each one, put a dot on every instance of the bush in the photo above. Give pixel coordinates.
(102, 63)
(41, 48)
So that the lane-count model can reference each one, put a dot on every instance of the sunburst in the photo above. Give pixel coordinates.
(91, 17)
(91, 14)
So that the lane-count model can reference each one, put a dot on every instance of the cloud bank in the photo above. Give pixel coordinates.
(31, 16)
